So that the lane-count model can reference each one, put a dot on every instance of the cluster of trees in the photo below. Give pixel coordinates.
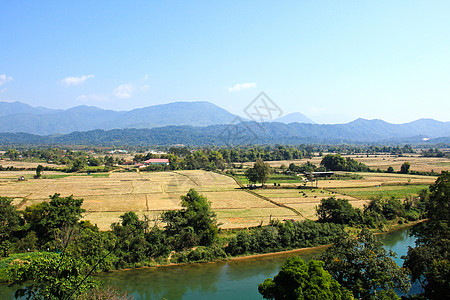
(54, 227)
(434, 152)
(298, 279)
(307, 167)
(71, 249)
(429, 261)
(74, 160)
(375, 214)
(280, 236)
(359, 267)
(352, 268)
(335, 162)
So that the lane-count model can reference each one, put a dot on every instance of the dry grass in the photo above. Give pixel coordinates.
(24, 164)
(149, 193)
(418, 163)
(106, 198)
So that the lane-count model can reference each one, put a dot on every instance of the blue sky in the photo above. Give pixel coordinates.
(332, 60)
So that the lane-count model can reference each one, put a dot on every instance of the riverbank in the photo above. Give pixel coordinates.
(400, 226)
(299, 251)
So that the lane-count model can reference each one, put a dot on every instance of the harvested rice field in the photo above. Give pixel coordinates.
(150, 193)
(109, 195)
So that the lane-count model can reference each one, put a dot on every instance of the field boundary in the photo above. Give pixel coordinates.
(261, 196)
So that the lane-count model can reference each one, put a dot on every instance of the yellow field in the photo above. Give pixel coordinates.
(24, 164)
(106, 198)
(375, 179)
(418, 163)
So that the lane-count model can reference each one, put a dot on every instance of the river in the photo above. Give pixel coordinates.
(234, 279)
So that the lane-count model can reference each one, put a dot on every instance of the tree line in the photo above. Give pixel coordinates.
(359, 267)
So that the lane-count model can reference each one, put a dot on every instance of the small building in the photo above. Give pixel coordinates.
(157, 161)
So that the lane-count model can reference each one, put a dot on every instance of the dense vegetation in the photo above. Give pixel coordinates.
(232, 135)
(54, 229)
(375, 214)
(300, 280)
(48, 242)
(429, 261)
(361, 265)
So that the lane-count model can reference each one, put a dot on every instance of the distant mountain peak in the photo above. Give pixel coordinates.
(295, 117)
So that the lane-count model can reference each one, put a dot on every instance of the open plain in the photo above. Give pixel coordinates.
(109, 195)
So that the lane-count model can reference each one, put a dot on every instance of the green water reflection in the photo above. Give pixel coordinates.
(236, 279)
(224, 280)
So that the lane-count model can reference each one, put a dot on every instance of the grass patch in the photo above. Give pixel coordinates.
(55, 176)
(396, 191)
(100, 175)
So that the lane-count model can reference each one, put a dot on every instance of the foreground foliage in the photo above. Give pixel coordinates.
(300, 280)
(49, 276)
(429, 261)
(363, 266)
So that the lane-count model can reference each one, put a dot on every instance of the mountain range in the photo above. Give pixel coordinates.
(195, 123)
(20, 117)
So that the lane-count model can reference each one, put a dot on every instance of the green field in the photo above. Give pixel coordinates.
(396, 191)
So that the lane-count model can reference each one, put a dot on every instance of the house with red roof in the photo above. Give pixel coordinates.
(156, 161)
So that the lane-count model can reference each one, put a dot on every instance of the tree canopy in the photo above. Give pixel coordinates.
(260, 172)
(429, 261)
(300, 280)
(363, 266)
(195, 224)
(338, 211)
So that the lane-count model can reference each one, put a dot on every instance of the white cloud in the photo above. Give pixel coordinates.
(3, 90)
(124, 91)
(241, 86)
(93, 97)
(68, 81)
(316, 110)
(4, 79)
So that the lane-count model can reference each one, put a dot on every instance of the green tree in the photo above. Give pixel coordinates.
(130, 233)
(78, 164)
(338, 211)
(12, 154)
(429, 261)
(363, 266)
(10, 222)
(46, 218)
(39, 170)
(195, 224)
(404, 169)
(94, 161)
(48, 276)
(300, 280)
(390, 169)
(334, 162)
(260, 172)
(251, 175)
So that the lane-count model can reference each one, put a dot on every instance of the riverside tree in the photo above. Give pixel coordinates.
(195, 224)
(363, 266)
(429, 261)
(300, 280)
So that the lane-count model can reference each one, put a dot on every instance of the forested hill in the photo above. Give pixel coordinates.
(359, 131)
(20, 117)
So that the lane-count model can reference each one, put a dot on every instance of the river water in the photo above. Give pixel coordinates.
(236, 279)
